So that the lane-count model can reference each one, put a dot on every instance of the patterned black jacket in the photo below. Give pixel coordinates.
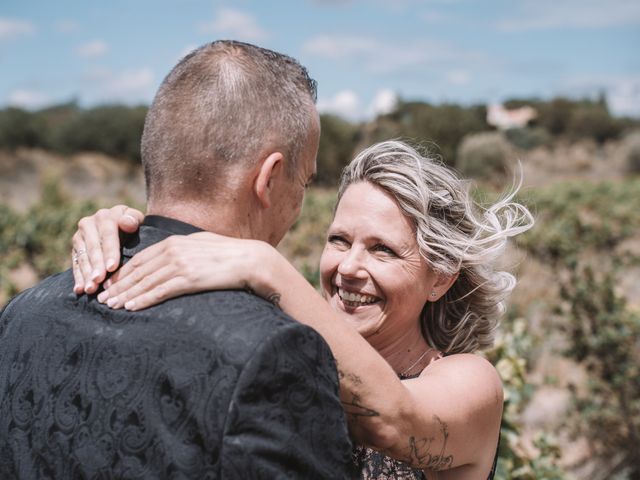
(213, 385)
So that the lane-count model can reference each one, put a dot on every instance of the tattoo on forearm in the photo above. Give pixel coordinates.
(354, 408)
(419, 450)
(275, 299)
(352, 378)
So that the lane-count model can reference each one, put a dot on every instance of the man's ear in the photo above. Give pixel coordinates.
(442, 285)
(270, 168)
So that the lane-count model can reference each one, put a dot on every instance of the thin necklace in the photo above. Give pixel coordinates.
(407, 370)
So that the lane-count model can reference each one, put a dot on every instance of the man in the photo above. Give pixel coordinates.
(213, 385)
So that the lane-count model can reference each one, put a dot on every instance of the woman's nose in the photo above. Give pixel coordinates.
(351, 264)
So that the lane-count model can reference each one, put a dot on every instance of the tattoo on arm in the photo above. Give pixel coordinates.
(354, 408)
(352, 378)
(272, 298)
(275, 299)
(419, 451)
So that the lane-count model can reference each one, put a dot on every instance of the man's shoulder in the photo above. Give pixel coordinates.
(58, 286)
(228, 314)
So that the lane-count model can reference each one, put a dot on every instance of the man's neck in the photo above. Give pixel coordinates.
(223, 220)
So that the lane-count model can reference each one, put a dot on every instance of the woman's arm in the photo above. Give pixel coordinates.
(447, 418)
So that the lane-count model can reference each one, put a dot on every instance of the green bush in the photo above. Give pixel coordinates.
(485, 156)
(513, 345)
(20, 128)
(576, 119)
(41, 237)
(603, 334)
(631, 144)
(113, 130)
(528, 138)
(337, 144)
(443, 125)
(575, 216)
(593, 121)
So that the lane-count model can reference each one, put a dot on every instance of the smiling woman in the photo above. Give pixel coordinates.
(374, 278)
(409, 293)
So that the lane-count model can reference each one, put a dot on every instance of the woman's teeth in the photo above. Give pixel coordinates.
(356, 297)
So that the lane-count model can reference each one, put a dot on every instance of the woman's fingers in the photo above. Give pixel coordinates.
(108, 223)
(179, 265)
(85, 243)
(151, 289)
(150, 262)
(171, 288)
(78, 277)
(130, 219)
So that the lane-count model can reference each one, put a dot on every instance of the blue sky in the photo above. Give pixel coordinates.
(364, 54)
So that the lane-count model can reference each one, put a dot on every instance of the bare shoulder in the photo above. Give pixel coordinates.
(465, 392)
(468, 375)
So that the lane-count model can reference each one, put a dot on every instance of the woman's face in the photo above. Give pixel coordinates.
(371, 270)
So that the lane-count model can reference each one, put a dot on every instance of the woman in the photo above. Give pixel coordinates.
(409, 295)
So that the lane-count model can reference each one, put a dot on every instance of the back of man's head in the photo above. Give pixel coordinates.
(219, 108)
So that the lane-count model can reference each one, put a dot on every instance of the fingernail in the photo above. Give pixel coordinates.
(129, 219)
(111, 263)
(88, 286)
(95, 275)
(77, 289)
(103, 296)
(130, 305)
(112, 301)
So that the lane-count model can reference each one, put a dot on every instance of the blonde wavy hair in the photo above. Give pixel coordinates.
(455, 236)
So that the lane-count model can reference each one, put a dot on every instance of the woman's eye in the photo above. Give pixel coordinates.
(337, 240)
(380, 247)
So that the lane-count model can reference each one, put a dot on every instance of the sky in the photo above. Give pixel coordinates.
(364, 54)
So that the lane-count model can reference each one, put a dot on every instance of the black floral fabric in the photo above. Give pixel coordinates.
(213, 385)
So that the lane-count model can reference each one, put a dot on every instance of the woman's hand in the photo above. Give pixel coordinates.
(188, 264)
(96, 245)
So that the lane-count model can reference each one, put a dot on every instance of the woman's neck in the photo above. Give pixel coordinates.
(403, 352)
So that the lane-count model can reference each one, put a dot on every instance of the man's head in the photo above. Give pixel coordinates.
(219, 115)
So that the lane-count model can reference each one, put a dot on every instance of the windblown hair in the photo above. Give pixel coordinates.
(219, 108)
(454, 235)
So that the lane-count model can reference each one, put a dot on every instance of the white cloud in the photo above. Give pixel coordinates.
(546, 14)
(30, 99)
(93, 49)
(383, 102)
(347, 104)
(235, 24)
(383, 57)
(344, 104)
(11, 28)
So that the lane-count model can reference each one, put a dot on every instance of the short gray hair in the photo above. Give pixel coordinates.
(453, 237)
(219, 107)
